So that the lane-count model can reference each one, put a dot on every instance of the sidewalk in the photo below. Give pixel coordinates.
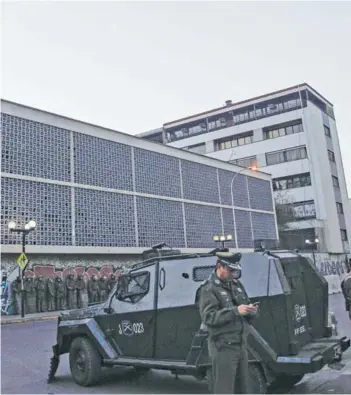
(16, 319)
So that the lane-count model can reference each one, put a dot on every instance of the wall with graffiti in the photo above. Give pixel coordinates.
(47, 288)
(330, 264)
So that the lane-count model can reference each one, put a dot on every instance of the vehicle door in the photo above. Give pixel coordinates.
(131, 326)
(178, 318)
(300, 329)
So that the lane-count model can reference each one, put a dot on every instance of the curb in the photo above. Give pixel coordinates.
(30, 319)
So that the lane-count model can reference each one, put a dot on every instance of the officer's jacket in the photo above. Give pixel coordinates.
(346, 290)
(218, 303)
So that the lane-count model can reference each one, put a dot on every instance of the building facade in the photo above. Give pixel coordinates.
(291, 134)
(97, 191)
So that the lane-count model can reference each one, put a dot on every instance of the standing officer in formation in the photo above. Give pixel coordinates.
(346, 290)
(223, 304)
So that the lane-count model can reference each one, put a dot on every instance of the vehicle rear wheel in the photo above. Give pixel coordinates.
(209, 379)
(257, 379)
(140, 370)
(84, 362)
(285, 382)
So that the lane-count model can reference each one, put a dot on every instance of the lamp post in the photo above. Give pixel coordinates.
(29, 226)
(222, 239)
(314, 246)
(254, 168)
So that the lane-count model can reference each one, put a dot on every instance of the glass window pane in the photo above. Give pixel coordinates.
(289, 130)
(283, 184)
(282, 132)
(296, 128)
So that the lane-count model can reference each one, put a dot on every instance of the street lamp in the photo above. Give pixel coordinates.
(253, 168)
(314, 244)
(28, 227)
(222, 239)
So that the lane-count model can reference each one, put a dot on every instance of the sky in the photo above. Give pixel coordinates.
(132, 66)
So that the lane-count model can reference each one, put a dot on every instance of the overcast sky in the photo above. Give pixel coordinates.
(133, 66)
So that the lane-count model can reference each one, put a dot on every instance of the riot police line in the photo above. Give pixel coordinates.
(42, 294)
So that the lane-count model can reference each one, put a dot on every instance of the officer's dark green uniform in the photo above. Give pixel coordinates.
(218, 304)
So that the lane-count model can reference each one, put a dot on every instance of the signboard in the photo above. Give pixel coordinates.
(22, 261)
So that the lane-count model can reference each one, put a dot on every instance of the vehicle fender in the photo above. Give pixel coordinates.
(70, 329)
(198, 354)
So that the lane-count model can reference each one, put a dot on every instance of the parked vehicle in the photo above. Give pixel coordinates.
(151, 321)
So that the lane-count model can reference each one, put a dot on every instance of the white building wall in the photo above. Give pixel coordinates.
(318, 164)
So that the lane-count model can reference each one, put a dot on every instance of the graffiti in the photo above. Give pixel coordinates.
(329, 264)
(87, 272)
(328, 268)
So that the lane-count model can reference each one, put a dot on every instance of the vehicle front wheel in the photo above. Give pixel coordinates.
(84, 362)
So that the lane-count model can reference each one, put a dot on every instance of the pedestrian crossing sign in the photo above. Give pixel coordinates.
(22, 261)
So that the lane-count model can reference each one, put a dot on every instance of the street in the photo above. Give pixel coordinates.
(26, 352)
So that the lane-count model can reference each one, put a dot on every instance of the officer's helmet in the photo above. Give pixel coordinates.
(231, 262)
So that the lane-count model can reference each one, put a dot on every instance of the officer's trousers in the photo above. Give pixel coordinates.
(230, 369)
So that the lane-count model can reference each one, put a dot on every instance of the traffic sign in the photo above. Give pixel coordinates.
(22, 261)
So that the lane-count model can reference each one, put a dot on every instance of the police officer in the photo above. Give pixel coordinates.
(346, 290)
(226, 311)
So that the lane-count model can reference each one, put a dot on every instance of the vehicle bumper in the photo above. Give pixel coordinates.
(312, 357)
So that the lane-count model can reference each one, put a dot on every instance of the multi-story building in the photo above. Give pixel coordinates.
(98, 192)
(291, 134)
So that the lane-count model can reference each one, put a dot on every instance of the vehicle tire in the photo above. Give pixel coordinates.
(84, 362)
(257, 379)
(209, 379)
(141, 370)
(285, 382)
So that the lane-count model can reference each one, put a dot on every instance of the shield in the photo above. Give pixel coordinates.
(127, 328)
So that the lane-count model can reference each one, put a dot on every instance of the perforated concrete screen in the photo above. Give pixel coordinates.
(94, 191)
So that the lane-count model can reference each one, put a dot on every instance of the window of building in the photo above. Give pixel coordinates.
(335, 182)
(239, 116)
(339, 208)
(331, 156)
(327, 131)
(304, 210)
(245, 162)
(234, 141)
(294, 181)
(198, 148)
(283, 130)
(220, 121)
(295, 238)
(343, 234)
(274, 158)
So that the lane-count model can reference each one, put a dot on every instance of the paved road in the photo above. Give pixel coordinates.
(26, 351)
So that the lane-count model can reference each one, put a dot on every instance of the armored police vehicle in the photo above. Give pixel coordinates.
(151, 320)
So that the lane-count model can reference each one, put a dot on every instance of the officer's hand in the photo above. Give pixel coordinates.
(244, 309)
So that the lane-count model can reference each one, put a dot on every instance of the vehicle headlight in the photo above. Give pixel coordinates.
(333, 323)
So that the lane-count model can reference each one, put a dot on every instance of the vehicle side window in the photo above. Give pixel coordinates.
(135, 286)
(201, 273)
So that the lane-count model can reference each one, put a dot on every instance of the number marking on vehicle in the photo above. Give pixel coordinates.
(300, 330)
(128, 328)
(300, 312)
